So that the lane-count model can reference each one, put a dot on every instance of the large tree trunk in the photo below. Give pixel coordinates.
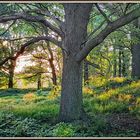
(11, 73)
(136, 61)
(76, 20)
(71, 96)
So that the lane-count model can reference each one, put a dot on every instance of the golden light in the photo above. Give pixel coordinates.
(4, 43)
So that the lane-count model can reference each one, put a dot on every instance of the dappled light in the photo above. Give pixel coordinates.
(69, 70)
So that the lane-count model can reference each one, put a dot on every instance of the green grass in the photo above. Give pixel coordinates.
(27, 112)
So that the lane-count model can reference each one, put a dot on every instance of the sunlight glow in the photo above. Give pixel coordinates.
(22, 62)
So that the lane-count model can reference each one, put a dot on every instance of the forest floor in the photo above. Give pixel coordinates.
(113, 106)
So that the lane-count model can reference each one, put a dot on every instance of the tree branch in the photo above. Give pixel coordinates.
(5, 60)
(111, 27)
(8, 28)
(39, 57)
(96, 29)
(48, 14)
(103, 14)
(126, 8)
(34, 40)
(31, 18)
(92, 64)
(24, 46)
(14, 39)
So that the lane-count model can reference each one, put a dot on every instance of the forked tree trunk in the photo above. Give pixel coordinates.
(76, 20)
(136, 61)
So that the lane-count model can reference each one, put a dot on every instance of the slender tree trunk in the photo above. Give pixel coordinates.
(135, 50)
(136, 61)
(51, 59)
(11, 79)
(54, 79)
(39, 81)
(86, 72)
(115, 63)
(76, 20)
(11, 73)
(123, 64)
(120, 62)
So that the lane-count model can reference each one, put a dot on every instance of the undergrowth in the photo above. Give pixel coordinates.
(31, 113)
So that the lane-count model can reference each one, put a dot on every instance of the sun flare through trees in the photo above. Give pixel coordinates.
(69, 69)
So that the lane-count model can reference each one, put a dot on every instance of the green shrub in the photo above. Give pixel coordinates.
(10, 125)
(62, 130)
(127, 133)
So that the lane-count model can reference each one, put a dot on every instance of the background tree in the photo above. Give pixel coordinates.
(73, 41)
(136, 50)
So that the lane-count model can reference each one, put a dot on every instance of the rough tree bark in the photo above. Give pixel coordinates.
(54, 78)
(135, 50)
(136, 61)
(120, 62)
(51, 62)
(39, 81)
(86, 72)
(11, 73)
(76, 20)
(123, 64)
(73, 36)
(115, 63)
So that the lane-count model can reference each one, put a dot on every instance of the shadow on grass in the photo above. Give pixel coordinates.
(17, 92)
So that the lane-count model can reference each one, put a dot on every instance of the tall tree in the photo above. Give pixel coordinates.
(73, 33)
(136, 52)
(115, 62)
